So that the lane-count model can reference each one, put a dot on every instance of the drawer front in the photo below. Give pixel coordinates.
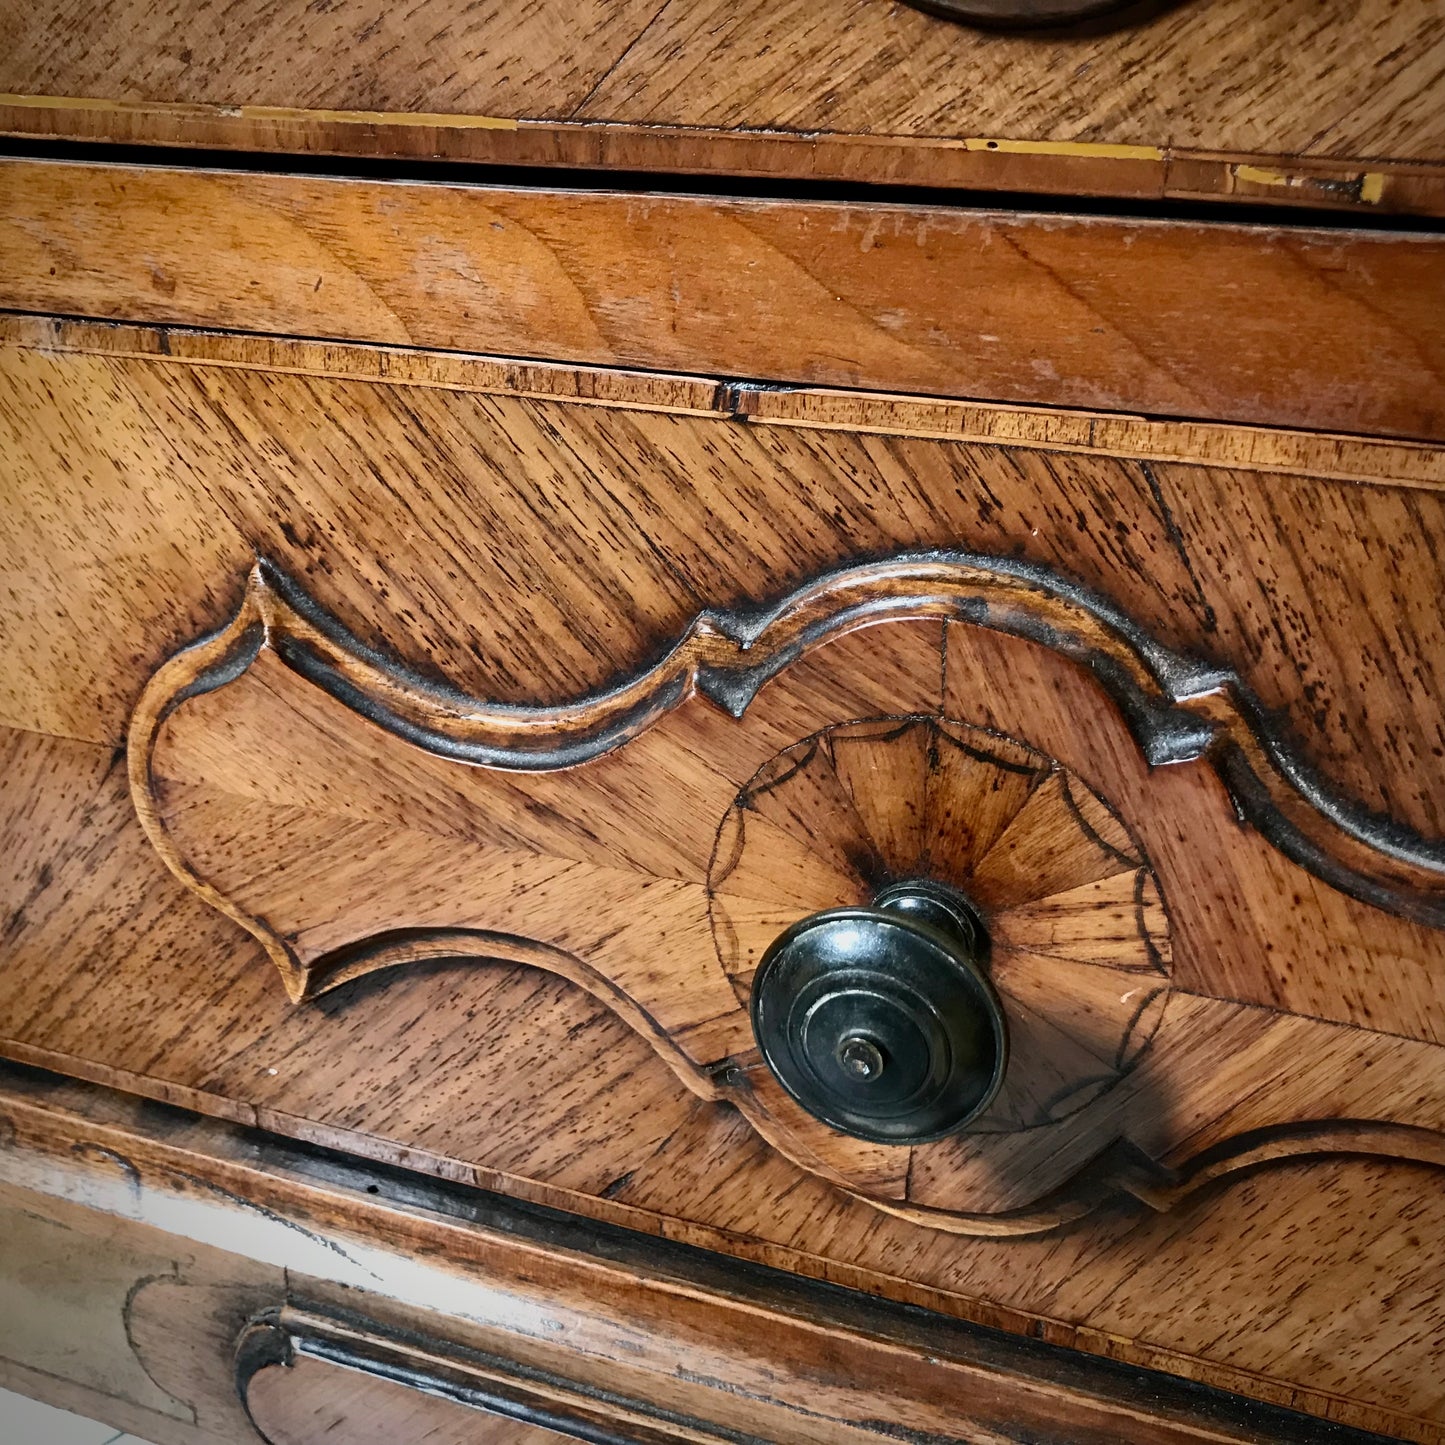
(1331, 329)
(1164, 908)
(169, 1284)
(421, 755)
(1225, 101)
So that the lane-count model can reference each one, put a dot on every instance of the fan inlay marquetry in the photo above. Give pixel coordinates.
(1080, 939)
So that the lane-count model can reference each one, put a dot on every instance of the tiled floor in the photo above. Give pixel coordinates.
(27, 1422)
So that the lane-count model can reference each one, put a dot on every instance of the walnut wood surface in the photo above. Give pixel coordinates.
(398, 1074)
(164, 1234)
(159, 480)
(454, 864)
(1287, 101)
(152, 483)
(314, 1401)
(1264, 451)
(1179, 709)
(1170, 318)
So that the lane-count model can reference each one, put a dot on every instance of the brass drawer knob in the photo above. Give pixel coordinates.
(881, 1021)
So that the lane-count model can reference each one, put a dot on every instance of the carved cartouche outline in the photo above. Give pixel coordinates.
(504, 1389)
(1177, 711)
(426, 1356)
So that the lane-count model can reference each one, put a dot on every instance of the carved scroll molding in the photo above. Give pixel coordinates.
(1178, 710)
(306, 1367)
(452, 1390)
(1184, 1094)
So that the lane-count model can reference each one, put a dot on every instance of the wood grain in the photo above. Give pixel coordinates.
(193, 1016)
(162, 481)
(445, 1289)
(1285, 102)
(1170, 318)
(1226, 1111)
(1179, 711)
(314, 1401)
(1263, 451)
(417, 510)
(253, 830)
(121, 1323)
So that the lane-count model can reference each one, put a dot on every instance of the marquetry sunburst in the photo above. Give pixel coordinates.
(1080, 939)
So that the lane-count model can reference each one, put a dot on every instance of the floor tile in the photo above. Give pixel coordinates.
(27, 1422)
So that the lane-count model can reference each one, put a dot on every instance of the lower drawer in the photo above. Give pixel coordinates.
(422, 756)
(207, 1286)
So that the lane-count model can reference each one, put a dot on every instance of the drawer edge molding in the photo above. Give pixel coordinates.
(1123, 315)
(1021, 164)
(1333, 456)
(286, 1355)
(382, 1268)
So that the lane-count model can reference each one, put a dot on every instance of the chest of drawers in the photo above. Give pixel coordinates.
(660, 805)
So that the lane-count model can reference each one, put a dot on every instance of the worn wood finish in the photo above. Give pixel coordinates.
(1282, 102)
(162, 479)
(1339, 457)
(472, 1297)
(122, 1323)
(557, 690)
(313, 1401)
(1175, 319)
(453, 863)
(1161, 173)
(314, 1379)
(391, 1070)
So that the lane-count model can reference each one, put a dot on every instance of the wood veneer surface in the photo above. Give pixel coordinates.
(152, 483)
(1317, 102)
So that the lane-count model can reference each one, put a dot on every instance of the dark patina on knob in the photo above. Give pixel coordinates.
(881, 1021)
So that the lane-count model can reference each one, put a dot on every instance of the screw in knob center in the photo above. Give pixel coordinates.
(861, 1058)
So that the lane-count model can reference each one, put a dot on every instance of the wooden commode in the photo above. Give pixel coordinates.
(724, 722)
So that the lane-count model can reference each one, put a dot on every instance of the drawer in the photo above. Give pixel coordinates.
(445, 759)
(211, 1287)
(1216, 102)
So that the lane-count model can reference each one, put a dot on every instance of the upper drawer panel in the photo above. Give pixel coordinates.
(1337, 330)
(1292, 101)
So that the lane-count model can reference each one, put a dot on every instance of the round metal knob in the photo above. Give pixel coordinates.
(881, 1021)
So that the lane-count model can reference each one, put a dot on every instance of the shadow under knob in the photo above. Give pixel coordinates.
(1018, 14)
(881, 1021)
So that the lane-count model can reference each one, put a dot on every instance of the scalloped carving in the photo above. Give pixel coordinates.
(308, 789)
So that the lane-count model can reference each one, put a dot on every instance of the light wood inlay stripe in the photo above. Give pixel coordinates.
(1268, 450)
